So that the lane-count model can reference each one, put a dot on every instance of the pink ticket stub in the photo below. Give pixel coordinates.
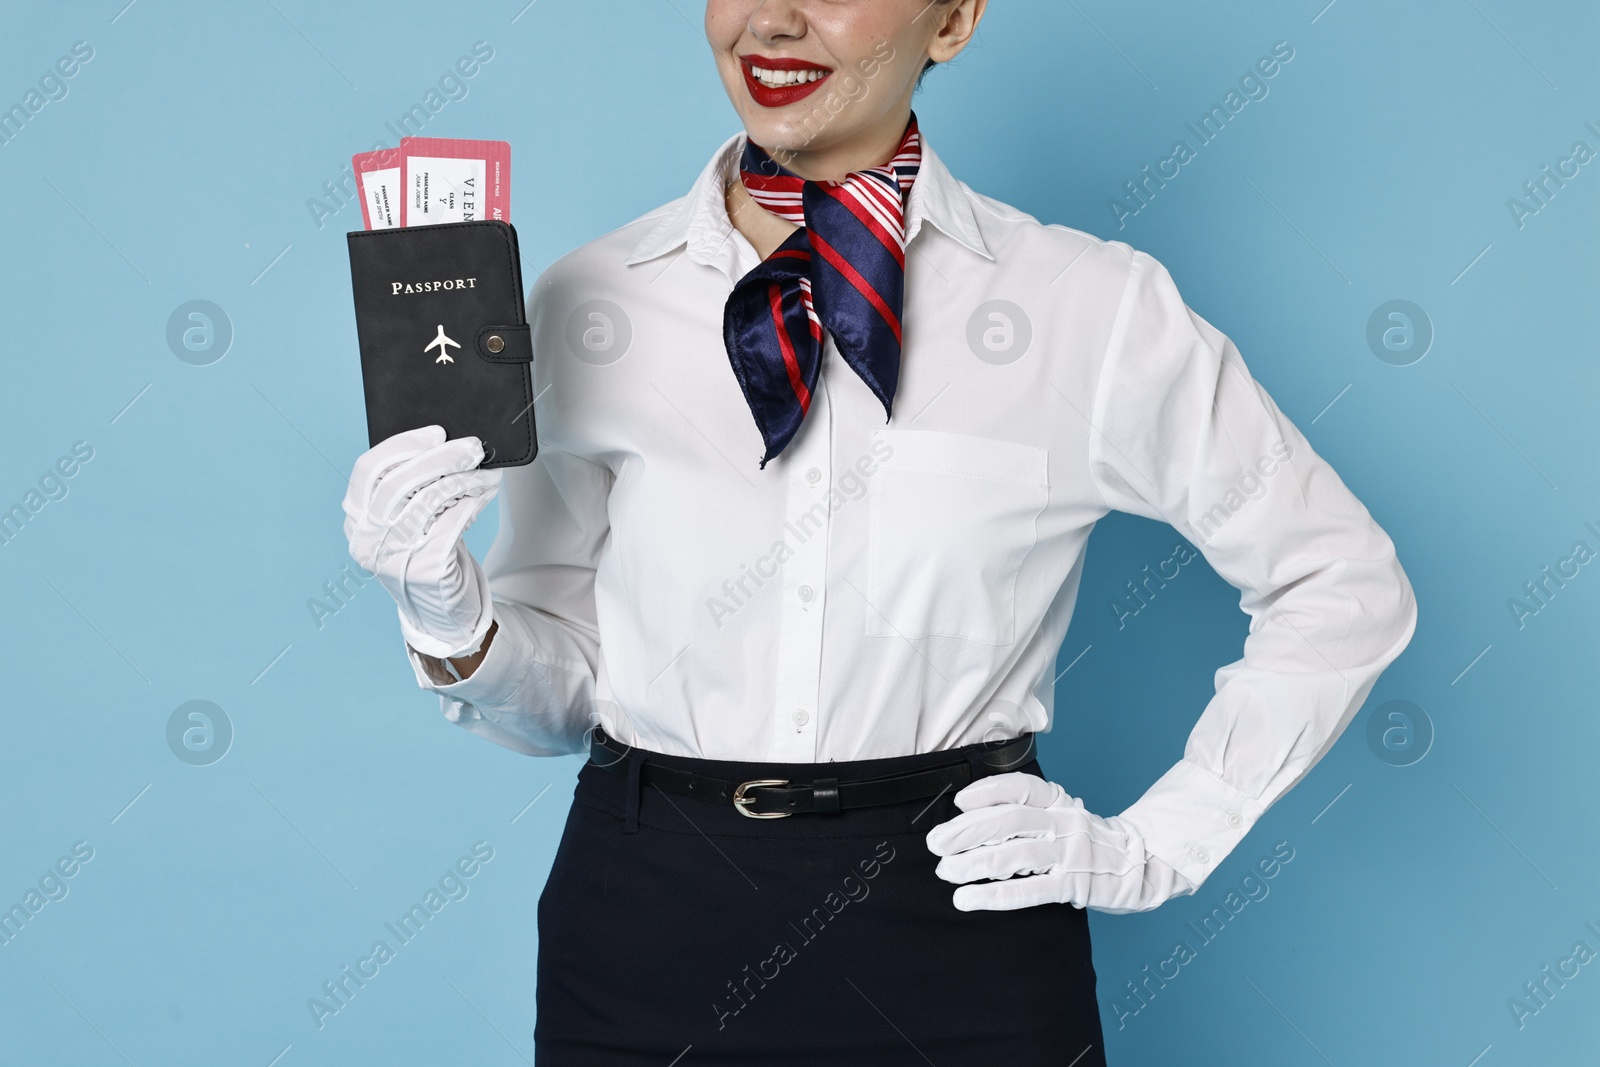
(448, 180)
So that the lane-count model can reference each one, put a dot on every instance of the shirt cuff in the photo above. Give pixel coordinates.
(1192, 819)
(495, 677)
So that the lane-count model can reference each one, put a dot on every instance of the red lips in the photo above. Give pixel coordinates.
(768, 97)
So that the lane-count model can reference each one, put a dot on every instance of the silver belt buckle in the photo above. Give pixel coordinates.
(742, 802)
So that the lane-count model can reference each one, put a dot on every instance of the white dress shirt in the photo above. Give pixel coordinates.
(885, 588)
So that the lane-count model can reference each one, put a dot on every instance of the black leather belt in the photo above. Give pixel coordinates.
(773, 798)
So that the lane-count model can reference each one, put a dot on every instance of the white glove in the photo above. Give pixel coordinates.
(411, 497)
(1017, 824)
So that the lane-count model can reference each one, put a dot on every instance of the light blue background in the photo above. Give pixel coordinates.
(178, 567)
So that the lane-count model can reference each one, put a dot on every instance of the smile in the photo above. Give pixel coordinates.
(777, 79)
(777, 82)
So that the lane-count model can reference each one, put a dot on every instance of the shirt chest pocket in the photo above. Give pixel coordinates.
(952, 518)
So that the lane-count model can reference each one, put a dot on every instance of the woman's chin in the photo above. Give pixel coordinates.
(800, 132)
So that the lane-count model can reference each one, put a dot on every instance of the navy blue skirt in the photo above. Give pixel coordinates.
(706, 937)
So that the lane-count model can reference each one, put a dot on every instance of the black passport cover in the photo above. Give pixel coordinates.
(430, 303)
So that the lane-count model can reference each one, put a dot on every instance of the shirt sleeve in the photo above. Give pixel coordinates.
(534, 691)
(1182, 433)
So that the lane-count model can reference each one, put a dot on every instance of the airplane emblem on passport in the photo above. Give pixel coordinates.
(440, 342)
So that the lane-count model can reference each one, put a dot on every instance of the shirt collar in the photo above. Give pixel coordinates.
(700, 219)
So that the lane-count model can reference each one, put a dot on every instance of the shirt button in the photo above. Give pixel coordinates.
(800, 717)
(1234, 818)
(806, 593)
(813, 476)
(1199, 855)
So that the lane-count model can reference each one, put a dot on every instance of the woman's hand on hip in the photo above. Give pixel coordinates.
(1044, 847)
(411, 498)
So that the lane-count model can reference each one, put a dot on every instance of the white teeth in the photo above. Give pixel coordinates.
(778, 79)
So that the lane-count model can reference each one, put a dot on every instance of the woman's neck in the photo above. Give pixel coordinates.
(866, 149)
(872, 148)
(764, 230)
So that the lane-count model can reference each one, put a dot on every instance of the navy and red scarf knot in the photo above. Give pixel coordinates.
(843, 271)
